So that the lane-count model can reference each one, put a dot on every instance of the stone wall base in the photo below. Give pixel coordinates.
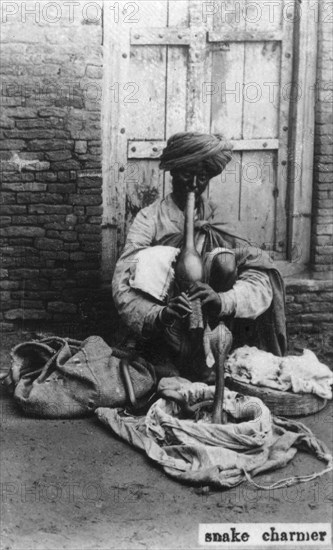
(309, 305)
(309, 308)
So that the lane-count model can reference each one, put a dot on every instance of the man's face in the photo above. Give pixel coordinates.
(195, 179)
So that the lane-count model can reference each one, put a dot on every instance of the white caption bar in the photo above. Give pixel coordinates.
(265, 535)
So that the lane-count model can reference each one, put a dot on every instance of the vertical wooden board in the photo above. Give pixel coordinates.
(178, 14)
(198, 111)
(116, 56)
(122, 87)
(144, 184)
(227, 91)
(203, 99)
(147, 74)
(225, 15)
(176, 90)
(261, 90)
(303, 115)
(287, 75)
(263, 16)
(225, 189)
(151, 13)
(177, 59)
(199, 70)
(257, 204)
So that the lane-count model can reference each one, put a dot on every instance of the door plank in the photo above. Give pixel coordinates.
(152, 149)
(198, 112)
(144, 184)
(148, 65)
(302, 139)
(176, 91)
(285, 92)
(227, 17)
(262, 73)
(244, 36)
(224, 190)
(178, 13)
(150, 14)
(115, 143)
(145, 96)
(177, 60)
(166, 36)
(257, 208)
(176, 100)
(227, 71)
(265, 17)
(227, 91)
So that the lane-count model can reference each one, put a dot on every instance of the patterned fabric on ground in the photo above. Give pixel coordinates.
(213, 454)
(299, 374)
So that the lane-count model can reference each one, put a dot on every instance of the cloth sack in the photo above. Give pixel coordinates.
(219, 455)
(63, 378)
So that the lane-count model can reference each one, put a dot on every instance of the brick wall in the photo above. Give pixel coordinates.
(322, 227)
(50, 150)
(309, 306)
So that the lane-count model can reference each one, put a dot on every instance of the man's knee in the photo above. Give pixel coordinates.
(223, 272)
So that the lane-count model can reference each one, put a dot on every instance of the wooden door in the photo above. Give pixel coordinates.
(175, 65)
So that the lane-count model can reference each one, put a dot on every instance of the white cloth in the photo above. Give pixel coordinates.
(299, 374)
(152, 271)
(221, 455)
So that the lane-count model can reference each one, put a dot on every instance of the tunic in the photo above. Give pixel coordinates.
(250, 296)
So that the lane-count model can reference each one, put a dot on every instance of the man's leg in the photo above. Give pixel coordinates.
(187, 350)
(223, 271)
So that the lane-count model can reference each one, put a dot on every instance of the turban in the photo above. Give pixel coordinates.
(187, 149)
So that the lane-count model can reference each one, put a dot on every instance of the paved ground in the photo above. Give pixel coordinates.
(73, 485)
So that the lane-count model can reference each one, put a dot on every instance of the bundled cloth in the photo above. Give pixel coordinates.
(299, 374)
(219, 455)
(152, 271)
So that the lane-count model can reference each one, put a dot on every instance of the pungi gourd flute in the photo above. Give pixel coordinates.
(189, 270)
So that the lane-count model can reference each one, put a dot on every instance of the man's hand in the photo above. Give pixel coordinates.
(177, 308)
(210, 300)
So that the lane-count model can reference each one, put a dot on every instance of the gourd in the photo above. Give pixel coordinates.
(189, 269)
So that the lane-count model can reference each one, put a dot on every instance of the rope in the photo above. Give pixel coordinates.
(289, 481)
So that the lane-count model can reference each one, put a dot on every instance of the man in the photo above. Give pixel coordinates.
(242, 289)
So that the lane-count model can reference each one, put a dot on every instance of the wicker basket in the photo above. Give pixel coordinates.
(280, 403)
